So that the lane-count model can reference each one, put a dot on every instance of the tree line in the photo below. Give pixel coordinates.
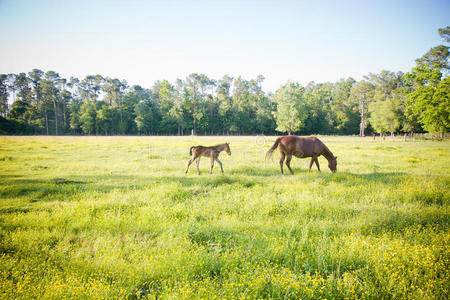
(388, 102)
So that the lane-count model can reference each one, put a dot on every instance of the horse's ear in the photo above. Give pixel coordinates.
(335, 157)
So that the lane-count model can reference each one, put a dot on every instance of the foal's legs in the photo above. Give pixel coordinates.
(189, 164)
(197, 162)
(288, 162)
(220, 164)
(281, 162)
(212, 164)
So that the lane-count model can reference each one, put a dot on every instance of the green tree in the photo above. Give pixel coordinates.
(115, 89)
(436, 57)
(134, 118)
(428, 102)
(261, 107)
(75, 115)
(318, 100)
(10, 79)
(445, 33)
(107, 119)
(88, 116)
(3, 95)
(90, 87)
(18, 110)
(384, 115)
(22, 87)
(207, 108)
(225, 102)
(291, 109)
(431, 105)
(36, 76)
(73, 85)
(361, 93)
(50, 93)
(399, 95)
(144, 117)
(243, 111)
(177, 111)
(385, 107)
(441, 100)
(192, 84)
(166, 97)
(345, 116)
(38, 119)
(21, 109)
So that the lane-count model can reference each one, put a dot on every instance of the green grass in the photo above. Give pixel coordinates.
(116, 217)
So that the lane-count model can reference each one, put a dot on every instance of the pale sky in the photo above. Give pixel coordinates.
(145, 41)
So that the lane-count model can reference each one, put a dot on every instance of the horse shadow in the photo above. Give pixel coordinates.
(346, 178)
(388, 178)
(210, 181)
(251, 171)
(36, 190)
(244, 177)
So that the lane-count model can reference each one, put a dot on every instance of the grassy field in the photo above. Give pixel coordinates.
(116, 217)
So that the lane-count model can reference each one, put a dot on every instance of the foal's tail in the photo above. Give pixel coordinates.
(190, 150)
(275, 145)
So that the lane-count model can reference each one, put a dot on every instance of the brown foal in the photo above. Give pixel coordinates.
(212, 152)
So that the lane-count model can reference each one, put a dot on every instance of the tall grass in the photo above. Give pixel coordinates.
(88, 217)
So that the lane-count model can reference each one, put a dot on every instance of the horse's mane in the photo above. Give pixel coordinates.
(219, 146)
(327, 153)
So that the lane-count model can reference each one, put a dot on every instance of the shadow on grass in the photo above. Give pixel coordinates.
(14, 210)
(2, 177)
(50, 189)
(250, 171)
(350, 179)
(399, 221)
(38, 189)
(213, 181)
(346, 178)
(59, 188)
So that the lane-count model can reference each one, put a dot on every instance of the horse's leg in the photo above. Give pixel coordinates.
(281, 162)
(288, 162)
(212, 164)
(220, 164)
(311, 163)
(316, 160)
(189, 163)
(198, 163)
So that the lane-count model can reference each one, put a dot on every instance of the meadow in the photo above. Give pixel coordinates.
(116, 217)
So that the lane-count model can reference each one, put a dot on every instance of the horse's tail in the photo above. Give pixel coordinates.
(190, 150)
(275, 145)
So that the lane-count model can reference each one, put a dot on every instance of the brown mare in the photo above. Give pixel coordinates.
(212, 152)
(302, 147)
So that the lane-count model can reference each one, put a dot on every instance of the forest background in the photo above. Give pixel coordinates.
(41, 102)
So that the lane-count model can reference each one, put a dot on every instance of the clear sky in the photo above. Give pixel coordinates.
(144, 41)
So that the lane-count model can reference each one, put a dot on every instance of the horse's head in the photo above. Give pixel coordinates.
(227, 148)
(332, 164)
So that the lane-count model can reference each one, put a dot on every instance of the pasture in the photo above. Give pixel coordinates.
(116, 217)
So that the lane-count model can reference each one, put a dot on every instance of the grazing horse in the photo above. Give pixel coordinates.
(302, 147)
(212, 152)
